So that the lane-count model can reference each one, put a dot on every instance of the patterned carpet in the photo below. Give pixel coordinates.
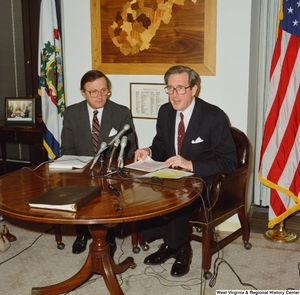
(33, 260)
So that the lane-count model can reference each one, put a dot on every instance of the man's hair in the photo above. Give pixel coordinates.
(194, 78)
(91, 76)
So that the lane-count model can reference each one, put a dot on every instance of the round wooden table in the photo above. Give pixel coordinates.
(138, 199)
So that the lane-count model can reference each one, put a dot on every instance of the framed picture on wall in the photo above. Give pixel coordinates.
(148, 37)
(19, 110)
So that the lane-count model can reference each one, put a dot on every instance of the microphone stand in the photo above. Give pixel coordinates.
(101, 163)
(120, 166)
(120, 170)
(116, 143)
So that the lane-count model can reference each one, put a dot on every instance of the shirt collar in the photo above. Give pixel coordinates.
(91, 111)
(188, 111)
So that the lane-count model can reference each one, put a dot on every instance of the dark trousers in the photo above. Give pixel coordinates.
(83, 230)
(173, 228)
(175, 232)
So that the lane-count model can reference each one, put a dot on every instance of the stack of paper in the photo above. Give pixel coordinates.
(148, 165)
(70, 162)
(168, 173)
(157, 169)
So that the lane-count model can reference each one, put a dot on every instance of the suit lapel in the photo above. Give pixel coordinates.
(83, 124)
(171, 131)
(106, 117)
(193, 127)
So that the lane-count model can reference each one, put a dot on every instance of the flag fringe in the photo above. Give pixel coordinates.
(276, 220)
(287, 192)
(277, 187)
(49, 150)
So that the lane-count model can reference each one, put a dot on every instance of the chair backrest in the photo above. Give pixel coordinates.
(227, 192)
(242, 146)
(227, 197)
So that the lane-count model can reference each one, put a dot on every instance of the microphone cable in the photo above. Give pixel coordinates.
(37, 167)
(213, 280)
(216, 266)
(208, 218)
(8, 259)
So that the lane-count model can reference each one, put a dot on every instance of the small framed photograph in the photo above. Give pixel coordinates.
(19, 110)
(146, 99)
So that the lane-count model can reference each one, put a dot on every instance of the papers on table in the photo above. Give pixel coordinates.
(70, 162)
(168, 173)
(148, 165)
(157, 169)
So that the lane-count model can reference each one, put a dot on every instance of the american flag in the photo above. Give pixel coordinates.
(280, 151)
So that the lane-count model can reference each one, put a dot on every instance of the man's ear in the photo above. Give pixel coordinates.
(194, 90)
(83, 93)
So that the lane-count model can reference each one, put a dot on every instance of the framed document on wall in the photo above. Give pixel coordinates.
(146, 99)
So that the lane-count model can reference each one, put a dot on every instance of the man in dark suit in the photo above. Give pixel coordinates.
(207, 148)
(77, 132)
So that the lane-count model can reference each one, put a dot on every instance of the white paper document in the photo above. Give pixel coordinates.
(157, 169)
(148, 165)
(70, 162)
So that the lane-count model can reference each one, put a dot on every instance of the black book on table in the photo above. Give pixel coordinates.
(66, 198)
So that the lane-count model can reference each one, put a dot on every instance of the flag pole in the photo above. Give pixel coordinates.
(280, 234)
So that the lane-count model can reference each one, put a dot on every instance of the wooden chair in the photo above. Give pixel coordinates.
(137, 239)
(58, 237)
(227, 197)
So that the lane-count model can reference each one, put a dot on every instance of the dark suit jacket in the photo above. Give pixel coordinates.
(208, 142)
(76, 133)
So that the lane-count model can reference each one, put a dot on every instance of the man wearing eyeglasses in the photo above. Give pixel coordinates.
(89, 123)
(190, 134)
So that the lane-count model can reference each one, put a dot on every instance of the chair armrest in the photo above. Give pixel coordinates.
(228, 185)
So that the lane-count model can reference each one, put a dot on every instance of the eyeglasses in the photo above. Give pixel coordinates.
(179, 89)
(95, 92)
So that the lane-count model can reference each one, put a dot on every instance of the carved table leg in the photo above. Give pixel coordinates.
(98, 261)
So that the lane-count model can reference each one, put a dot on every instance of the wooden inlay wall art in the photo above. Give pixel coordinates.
(150, 36)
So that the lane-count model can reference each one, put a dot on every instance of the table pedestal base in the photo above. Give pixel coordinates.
(98, 261)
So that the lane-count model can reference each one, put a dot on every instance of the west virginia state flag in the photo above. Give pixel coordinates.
(280, 151)
(50, 72)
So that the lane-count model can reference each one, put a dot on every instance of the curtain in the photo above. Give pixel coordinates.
(267, 39)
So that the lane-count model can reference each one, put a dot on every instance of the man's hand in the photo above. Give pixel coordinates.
(141, 154)
(178, 161)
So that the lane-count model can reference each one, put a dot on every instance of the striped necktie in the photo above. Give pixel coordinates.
(95, 132)
(181, 133)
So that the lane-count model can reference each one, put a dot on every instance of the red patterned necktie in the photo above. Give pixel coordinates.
(95, 132)
(181, 133)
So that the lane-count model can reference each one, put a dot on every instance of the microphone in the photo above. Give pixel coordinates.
(103, 147)
(117, 137)
(121, 154)
(116, 144)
